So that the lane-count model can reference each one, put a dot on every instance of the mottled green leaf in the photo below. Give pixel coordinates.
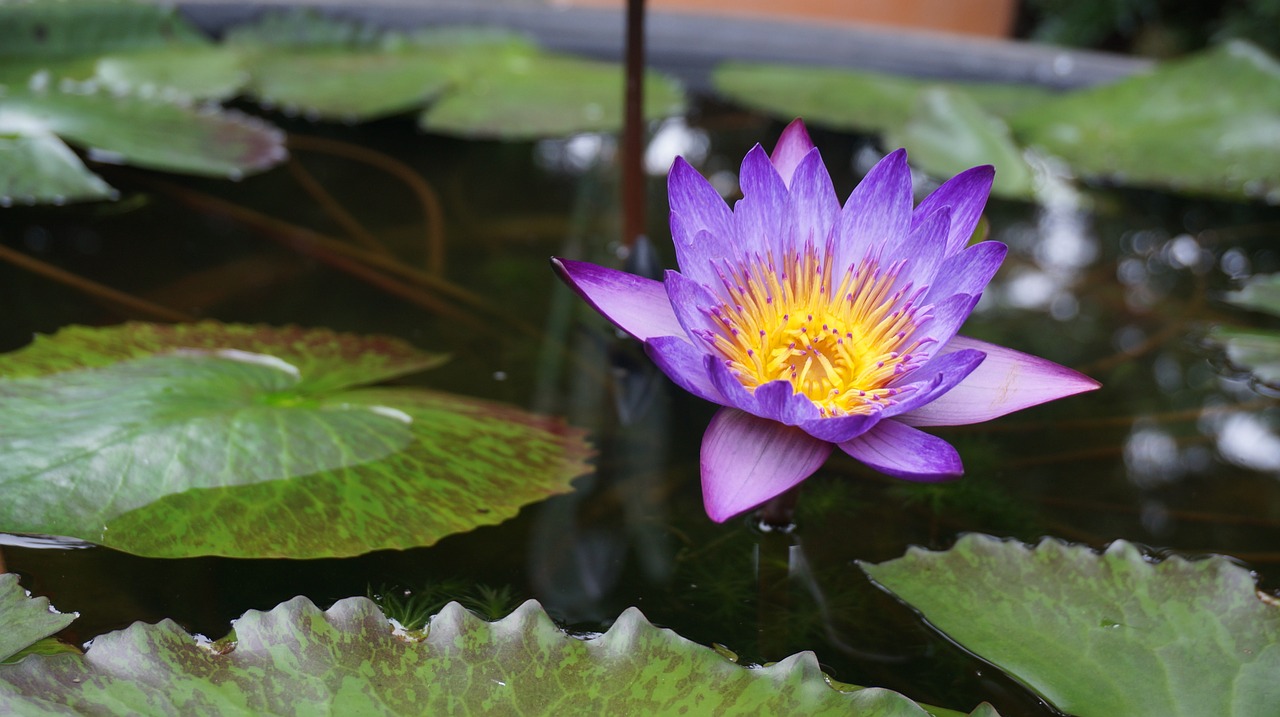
(949, 132)
(1102, 635)
(297, 659)
(193, 440)
(327, 360)
(1209, 124)
(25, 620)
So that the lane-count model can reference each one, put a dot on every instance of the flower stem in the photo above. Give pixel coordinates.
(780, 512)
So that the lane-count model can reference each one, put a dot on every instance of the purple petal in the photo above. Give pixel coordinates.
(758, 216)
(747, 460)
(966, 194)
(633, 303)
(947, 316)
(691, 301)
(778, 401)
(968, 272)
(793, 145)
(877, 213)
(923, 250)
(814, 207)
(943, 373)
(685, 365)
(697, 207)
(904, 452)
(1005, 382)
(840, 428)
(735, 394)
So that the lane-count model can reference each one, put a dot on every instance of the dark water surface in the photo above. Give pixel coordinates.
(1178, 451)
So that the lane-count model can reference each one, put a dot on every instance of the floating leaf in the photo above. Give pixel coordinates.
(179, 74)
(483, 83)
(1254, 350)
(51, 30)
(1219, 109)
(946, 128)
(38, 167)
(1102, 635)
(25, 620)
(949, 132)
(1259, 293)
(345, 84)
(524, 95)
(840, 99)
(126, 129)
(349, 660)
(237, 451)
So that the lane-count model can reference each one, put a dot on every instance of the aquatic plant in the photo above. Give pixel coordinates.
(815, 325)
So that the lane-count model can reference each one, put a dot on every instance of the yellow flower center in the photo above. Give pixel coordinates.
(840, 345)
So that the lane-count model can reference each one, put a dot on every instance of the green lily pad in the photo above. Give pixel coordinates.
(297, 659)
(946, 128)
(949, 132)
(1259, 293)
(256, 442)
(40, 167)
(479, 83)
(25, 620)
(521, 94)
(62, 29)
(1205, 124)
(1254, 350)
(126, 129)
(1102, 635)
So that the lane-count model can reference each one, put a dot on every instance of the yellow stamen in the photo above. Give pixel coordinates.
(781, 320)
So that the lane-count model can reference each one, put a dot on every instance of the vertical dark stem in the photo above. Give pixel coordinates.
(780, 512)
(633, 204)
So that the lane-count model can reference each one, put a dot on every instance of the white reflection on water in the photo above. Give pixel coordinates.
(1248, 440)
(675, 138)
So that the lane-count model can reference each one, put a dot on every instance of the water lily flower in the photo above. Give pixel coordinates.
(817, 325)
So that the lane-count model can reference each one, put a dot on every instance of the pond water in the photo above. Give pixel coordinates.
(1178, 451)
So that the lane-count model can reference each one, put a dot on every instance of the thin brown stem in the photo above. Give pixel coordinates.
(335, 210)
(633, 199)
(314, 243)
(433, 213)
(92, 288)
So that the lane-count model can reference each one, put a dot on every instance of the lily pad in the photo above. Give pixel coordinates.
(1254, 350)
(949, 132)
(128, 129)
(1102, 635)
(946, 128)
(118, 79)
(40, 167)
(1219, 109)
(478, 83)
(1259, 293)
(519, 94)
(350, 660)
(62, 29)
(25, 620)
(255, 442)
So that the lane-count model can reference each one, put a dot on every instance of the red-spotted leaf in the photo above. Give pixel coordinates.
(249, 441)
